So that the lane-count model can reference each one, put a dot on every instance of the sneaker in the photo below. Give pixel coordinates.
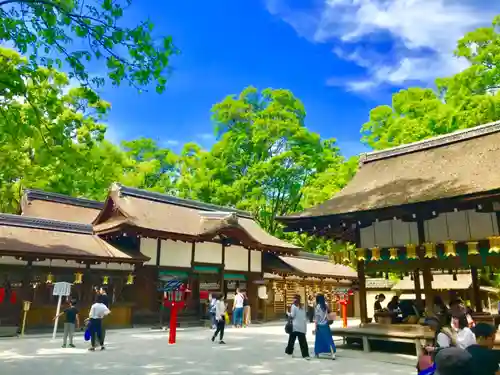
(307, 358)
(63, 346)
(91, 349)
(333, 356)
(213, 338)
(72, 346)
(103, 347)
(222, 342)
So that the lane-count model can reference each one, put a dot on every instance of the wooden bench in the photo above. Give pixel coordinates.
(407, 333)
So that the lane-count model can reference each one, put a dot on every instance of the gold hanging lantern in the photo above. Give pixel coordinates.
(450, 248)
(361, 254)
(78, 278)
(345, 257)
(430, 250)
(105, 280)
(375, 254)
(393, 253)
(411, 251)
(130, 279)
(494, 244)
(472, 248)
(50, 278)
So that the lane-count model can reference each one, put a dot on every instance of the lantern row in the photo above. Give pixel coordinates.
(79, 279)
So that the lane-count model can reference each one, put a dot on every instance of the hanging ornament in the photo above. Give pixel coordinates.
(472, 248)
(50, 278)
(494, 244)
(450, 248)
(345, 257)
(375, 254)
(411, 251)
(130, 279)
(78, 278)
(393, 253)
(430, 250)
(455, 276)
(105, 280)
(361, 254)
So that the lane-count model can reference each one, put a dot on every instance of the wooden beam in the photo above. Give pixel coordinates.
(418, 287)
(426, 270)
(363, 312)
(158, 251)
(476, 293)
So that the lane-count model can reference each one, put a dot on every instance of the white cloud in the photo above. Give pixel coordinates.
(423, 35)
(209, 137)
(171, 142)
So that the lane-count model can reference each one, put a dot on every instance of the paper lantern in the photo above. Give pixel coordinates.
(105, 280)
(393, 253)
(130, 279)
(411, 251)
(472, 248)
(361, 254)
(345, 257)
(375, 254)
(78, 278)
(450, 248)
(430, 250)
(494, 244)
(50, 278)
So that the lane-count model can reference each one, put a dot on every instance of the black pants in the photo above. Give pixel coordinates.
(221, 324)
(96, 332)
(304, 349)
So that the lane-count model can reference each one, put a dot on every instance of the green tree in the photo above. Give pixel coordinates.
(264, 157)
(467, 99)
(80, 31)
(57, 141)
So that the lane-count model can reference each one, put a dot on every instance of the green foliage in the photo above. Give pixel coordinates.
(467, 99)
(264, 159)
(75, 32)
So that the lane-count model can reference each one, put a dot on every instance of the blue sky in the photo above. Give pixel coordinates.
(340, 57)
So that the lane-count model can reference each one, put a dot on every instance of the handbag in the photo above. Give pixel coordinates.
(226, 318)
(86, 335)
(289, 326)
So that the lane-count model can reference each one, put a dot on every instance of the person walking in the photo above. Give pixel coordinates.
(103, 295)
(97, 313)
(323, 341)
(213, 303)
(299, 328)
(238, 309)
(220, 316)
(71, 323)
(246, 310)
(310, 308)
(484, 358)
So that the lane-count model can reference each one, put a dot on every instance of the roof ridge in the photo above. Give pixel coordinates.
(438, 141)
(169, 199)
(48, 224)
(34, 194)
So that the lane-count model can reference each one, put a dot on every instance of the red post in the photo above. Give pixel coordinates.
(173, 324)
(344, 314)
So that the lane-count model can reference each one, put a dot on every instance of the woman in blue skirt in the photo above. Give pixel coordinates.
(323, 342)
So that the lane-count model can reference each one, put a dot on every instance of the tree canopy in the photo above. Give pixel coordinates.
(72, 33)
(467, 99)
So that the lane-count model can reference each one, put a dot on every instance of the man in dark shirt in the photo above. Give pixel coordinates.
(453, 361)
(71, 322)
(484, 360)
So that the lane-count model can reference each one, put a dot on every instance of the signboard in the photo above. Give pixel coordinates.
(62, 289)
(170, 285)
(210, 286)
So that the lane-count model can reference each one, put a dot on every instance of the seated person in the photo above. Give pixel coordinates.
(377, 307)
(395, 310)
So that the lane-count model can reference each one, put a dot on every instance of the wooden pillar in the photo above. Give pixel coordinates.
(476, 293)
(418, 287)
(363, 312)
(426, 270)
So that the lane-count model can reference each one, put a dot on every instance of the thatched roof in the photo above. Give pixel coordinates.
(307, 265)
(26, 236)
(43, 204)
(457, 164)
(439, 282)
(181, 218)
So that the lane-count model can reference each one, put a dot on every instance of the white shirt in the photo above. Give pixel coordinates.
(220, 310)
(465, 338)
(299, 319)
(98, 311)
(443, 340)
(238, 301)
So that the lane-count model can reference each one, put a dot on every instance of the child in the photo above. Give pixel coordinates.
(71, 322)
